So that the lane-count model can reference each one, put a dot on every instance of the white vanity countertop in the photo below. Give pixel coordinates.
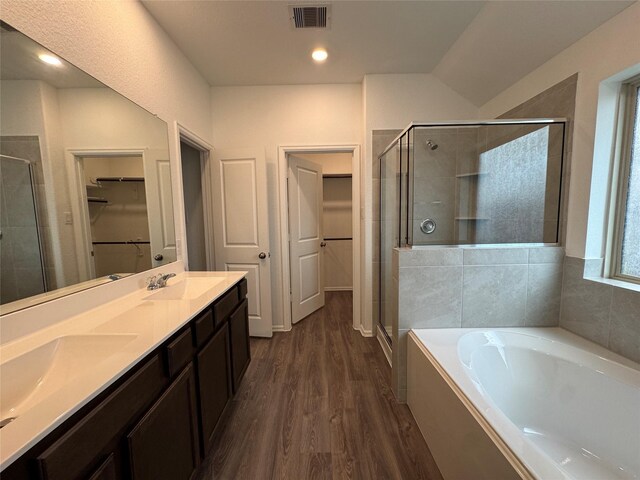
(138, 322)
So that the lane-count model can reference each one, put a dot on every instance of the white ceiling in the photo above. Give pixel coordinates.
(253, 43)
(20, 62)
(478, 48)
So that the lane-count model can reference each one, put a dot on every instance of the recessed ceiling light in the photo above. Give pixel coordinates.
(50, 59)
(319, 55)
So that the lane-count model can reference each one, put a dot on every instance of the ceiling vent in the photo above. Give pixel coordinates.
(310, 16)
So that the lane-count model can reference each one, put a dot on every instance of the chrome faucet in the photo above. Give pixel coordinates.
(159, 281)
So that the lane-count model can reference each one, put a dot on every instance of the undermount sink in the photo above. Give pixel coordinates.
(32, 376)
(189, 288)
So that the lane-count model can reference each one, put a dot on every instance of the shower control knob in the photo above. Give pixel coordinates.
(428, 226)
(262, 255)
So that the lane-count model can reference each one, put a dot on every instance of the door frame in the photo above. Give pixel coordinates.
(186, 136)
(78, 200)
(283, 167)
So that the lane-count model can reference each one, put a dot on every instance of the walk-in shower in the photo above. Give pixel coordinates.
(22, 266)
(467, 183)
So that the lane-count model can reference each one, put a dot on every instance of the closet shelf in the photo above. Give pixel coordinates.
(471, 174)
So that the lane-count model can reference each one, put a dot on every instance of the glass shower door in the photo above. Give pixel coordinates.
(21, 266)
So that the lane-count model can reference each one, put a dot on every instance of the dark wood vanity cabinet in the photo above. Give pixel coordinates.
(240, 352)
(158, 421)
(214, 381)
(164, 443)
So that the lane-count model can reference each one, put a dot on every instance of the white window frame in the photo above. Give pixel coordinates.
(626, 122)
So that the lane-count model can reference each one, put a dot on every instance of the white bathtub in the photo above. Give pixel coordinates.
(555, 405)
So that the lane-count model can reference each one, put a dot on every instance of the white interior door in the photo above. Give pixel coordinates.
(162, 234)
(305, 237)
(241, 228)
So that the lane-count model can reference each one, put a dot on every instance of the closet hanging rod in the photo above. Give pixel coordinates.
(337, 175)
(119, 179)
(330, 239)
(130, 242)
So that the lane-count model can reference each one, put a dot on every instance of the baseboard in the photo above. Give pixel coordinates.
(365, 332)
(384, 345)
(338, 289)
(280, 328)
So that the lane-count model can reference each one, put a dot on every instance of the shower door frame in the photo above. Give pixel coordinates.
(36, 214)
(406, 235)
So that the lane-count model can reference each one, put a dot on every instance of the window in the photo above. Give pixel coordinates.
(626, 248)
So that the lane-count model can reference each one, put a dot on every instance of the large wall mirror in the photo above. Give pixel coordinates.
(85, 185)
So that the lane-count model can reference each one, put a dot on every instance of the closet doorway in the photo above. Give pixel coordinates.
(321, 248)
(117, 213)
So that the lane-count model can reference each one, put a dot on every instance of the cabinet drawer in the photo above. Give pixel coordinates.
(203, 328)
(179, 352)
(242, 289)
(225, 306)
(71, 456)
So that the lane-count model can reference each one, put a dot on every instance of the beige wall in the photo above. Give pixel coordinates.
(272, 116)
(121, 45)
(30, 107)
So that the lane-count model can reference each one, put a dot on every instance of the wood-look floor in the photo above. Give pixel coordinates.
(316, 402)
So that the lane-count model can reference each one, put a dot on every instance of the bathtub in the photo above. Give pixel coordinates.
(524, 403)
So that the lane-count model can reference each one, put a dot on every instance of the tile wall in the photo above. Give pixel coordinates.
(603, 313)
(453, 287)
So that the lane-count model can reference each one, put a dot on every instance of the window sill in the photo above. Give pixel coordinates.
(634, 287)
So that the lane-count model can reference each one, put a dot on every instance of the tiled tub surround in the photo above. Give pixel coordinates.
(604, 313)
(143, 320)
(453, 287)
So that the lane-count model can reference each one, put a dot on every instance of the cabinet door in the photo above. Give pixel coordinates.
(100, 431)
(214, 381)
(240, 352)
(107, 470)
(164, 444)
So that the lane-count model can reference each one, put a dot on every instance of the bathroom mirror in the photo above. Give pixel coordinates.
(85, 185)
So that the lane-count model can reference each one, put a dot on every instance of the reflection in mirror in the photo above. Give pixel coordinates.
(85, 185)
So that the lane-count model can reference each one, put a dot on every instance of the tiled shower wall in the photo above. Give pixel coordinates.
(453, 287)
(28, 148)
(558, 101)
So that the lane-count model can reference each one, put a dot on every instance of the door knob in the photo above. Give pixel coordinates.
(158, 257)
(323, 244)
(262, 255)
